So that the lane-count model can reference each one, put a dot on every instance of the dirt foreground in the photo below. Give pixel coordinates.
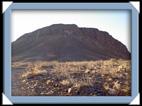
(86, 78)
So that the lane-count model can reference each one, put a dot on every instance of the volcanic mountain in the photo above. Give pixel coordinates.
(68, 42)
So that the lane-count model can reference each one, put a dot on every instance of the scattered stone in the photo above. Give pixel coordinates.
(110, 79)
(69, 90)
(24, 80)
(87, 70)
(48, 81)
(112, 91)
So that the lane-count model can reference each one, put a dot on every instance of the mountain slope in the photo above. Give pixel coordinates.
(67, 42)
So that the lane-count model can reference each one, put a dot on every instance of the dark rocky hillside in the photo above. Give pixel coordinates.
(68, 42)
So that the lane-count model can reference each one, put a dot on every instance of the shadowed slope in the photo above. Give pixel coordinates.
(68, 42)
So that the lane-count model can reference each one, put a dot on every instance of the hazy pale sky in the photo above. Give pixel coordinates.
(115, 22)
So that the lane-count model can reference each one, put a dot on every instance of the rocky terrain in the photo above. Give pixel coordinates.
(67, 60)
(67, 42)
(92, 78)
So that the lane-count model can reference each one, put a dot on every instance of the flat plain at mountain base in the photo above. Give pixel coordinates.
(83, 78)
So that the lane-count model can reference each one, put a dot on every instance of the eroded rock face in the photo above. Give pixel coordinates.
(68, 42)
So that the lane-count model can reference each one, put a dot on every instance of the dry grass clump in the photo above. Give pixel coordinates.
(19, 64)
(65, 82)
(34, 69)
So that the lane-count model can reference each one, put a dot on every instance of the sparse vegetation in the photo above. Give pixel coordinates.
(88, 78)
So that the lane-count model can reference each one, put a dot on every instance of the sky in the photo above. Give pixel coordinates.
(115, 22)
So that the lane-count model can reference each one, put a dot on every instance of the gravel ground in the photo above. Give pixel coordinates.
(102, 78)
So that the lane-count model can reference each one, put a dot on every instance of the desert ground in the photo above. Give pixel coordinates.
(77, 78)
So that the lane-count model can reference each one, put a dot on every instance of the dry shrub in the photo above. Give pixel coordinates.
(65, 82)
(33, 69)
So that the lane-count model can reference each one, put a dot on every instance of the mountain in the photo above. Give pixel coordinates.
(68, 42)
